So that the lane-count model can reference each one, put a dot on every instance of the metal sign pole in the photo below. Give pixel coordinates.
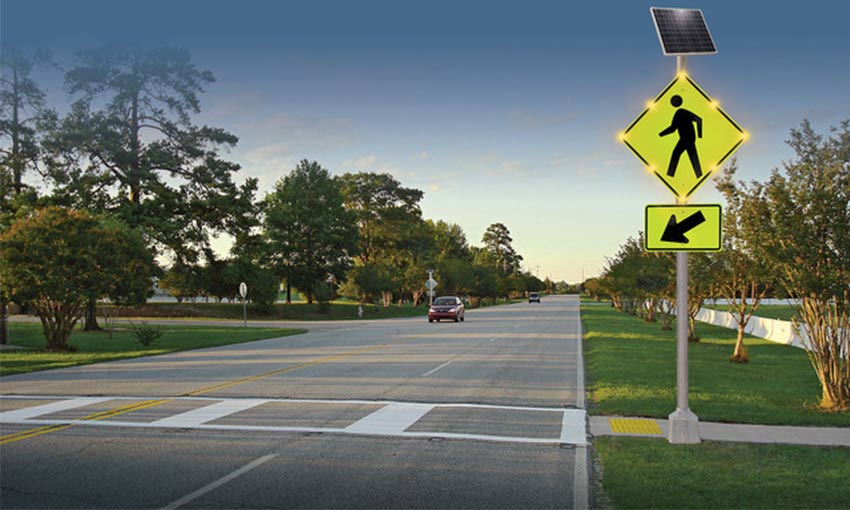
(683, 423)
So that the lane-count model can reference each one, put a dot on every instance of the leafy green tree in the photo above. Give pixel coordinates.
(366, 282)
(381, 205)
(593, 288)
(498, 241)
(22, 112)
(129, 147)
(455, 276)
(389, 221)
(803, 216)
(310, 233)
(56, 258)
(182, 281)
(485, 284)
(743, 278)
(449, 240)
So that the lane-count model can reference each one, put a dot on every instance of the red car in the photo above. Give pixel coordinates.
(446, 307)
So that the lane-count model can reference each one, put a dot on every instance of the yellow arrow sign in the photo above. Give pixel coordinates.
(683, 136)
(692, 227)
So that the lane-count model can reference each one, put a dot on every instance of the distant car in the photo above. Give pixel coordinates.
(534, 297)
(446, 307)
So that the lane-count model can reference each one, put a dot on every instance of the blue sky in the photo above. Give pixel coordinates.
(499, 111)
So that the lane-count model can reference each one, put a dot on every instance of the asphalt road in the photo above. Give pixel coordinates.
(396, 414)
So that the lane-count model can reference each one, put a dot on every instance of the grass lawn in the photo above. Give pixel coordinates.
(98, 347)
(780, 312)
(339, 310)
(631, 370)
(651, 473)
(584, 298)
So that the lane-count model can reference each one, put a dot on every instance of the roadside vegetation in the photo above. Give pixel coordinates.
(631, 371)
(97, 347)
(788, 236)
(296, 311)
(132, 189)
(651, 473)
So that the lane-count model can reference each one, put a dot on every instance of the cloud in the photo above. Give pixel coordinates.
(364, 163)
(434, 187)
(421, 155)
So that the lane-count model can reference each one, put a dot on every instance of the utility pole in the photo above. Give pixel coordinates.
(684, 424)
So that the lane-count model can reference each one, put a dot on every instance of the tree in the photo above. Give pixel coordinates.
(22, 111)
(803, 215)
(389, 220)
(379, 204)
(497, 240)
(182, 281)
(309, 232)
(56, 258)
(455, 276)
(742, 276)
(140, 157)
(449, 240)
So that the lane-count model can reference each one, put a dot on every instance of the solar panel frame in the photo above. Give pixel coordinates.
(695, 39)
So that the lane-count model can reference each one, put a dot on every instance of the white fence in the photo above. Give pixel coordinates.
(770, 329)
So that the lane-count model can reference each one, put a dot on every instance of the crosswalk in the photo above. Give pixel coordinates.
(496, 423)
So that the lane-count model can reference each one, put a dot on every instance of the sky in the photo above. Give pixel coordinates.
(499, 111)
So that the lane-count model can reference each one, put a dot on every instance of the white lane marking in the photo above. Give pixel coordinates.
(53, 407)
(581, 398)
(306, 401)
(270, 428)
(580, 492)
(207, 413)
(218, 483)
(573, 427)
(390, 419)
(581, 478)
(426, 374)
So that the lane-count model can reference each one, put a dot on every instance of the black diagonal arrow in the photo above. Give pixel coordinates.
(675, 232)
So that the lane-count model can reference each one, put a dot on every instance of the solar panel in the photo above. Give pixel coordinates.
(682, 31)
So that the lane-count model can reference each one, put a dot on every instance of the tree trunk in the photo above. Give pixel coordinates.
(4, 329)
(90, 323)
(740, 355)
(288, 292)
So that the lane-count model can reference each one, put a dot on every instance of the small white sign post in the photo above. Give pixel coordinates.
(430, 284)
(243, 291)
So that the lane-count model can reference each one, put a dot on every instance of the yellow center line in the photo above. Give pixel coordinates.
(102, 415)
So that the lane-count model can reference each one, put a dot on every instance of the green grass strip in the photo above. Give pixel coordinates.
(631, 370)
(651, 473)
(97, 347)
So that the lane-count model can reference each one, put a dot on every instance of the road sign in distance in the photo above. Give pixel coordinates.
(683, 136)
(684, 227)
(430, 284)
(682, 31)
(243, 290)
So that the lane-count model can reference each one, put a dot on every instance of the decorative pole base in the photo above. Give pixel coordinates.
(683, 427)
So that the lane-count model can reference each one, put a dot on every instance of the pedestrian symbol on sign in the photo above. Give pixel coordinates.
(683, 122)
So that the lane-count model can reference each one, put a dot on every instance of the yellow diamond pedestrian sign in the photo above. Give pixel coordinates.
(683, 136)
(683, 227)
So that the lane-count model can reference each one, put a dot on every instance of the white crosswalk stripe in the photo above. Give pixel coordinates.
(393, 419)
